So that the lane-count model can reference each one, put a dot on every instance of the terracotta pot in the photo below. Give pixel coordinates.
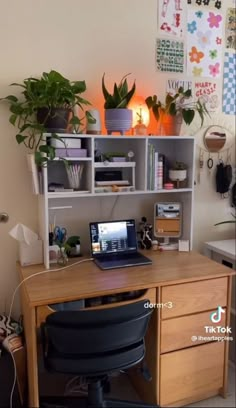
(170, 125)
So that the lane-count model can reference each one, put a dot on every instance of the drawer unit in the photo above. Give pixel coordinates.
(194, 297)
(191, 374)
(177, 333)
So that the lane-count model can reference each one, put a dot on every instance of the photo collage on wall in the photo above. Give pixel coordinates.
(191, 41)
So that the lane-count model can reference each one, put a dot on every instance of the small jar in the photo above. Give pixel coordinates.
(154, 245)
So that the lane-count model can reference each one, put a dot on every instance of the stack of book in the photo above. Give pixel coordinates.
(156, 169)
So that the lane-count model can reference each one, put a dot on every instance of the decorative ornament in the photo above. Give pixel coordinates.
(206, 2)
(130, 155)
(218, 4)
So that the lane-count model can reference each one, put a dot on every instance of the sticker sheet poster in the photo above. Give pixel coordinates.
(230, 29)
(171, 17)
(208, 93)
(204, 43)
(169, 55)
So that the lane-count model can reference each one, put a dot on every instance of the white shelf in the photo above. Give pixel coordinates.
(69, 194)
(74, 194)
(98, 165)
(173, 190)
(73, 158)
(137, 172)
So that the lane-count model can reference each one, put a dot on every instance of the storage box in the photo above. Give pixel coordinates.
(71, 152)
(31, 254)
(66, 142)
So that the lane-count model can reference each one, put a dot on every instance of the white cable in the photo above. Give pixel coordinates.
(14, 380)
(12, 302)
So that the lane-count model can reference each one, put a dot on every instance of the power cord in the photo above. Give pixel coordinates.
(12, 303)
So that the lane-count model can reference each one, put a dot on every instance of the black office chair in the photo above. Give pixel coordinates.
(94, 344)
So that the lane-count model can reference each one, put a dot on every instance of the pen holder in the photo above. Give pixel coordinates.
(74, 174)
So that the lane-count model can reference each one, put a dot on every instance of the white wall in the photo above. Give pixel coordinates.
(82, 39)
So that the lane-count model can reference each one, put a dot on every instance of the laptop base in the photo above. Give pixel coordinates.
(119, 262)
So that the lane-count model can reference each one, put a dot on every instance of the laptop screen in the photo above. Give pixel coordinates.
(112, 237)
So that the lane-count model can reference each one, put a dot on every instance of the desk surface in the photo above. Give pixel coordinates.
(225, 247)
(87, 280)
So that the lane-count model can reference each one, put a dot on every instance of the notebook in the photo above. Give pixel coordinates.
(114, 244)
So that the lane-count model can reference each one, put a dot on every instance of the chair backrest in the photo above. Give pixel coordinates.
(98, 331)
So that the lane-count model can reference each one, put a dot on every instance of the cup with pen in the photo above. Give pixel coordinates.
(59, 237)
(74, 174)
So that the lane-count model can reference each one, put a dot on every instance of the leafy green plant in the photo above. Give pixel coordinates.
(228, 221)
(110, 155)
(179, 166)
(178, 104)
(121, 94)
(50, 91)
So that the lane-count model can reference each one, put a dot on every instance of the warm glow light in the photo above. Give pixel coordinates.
(140, 111)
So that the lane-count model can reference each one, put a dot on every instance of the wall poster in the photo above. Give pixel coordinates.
(230, 28)
(171, 17)
(204, 43)
(229, 84)
(172, 85)
(208, 93)
(169, 55)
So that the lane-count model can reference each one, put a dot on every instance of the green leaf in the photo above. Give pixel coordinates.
(49, 150)
(188, 93)
(20, 138)
(75, 121)
(79, 87)
(172, 109)
(90, 117)
(188, 115)
(156, 112)
(116, 95)
(40, 159)
(149, 101)
(104, 90)
(169, 99)
(130, 93)
(10, 98)
(12, 119)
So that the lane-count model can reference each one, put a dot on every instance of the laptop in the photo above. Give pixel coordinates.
(114, 244)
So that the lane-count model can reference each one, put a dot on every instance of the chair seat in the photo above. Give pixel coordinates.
(95, 365)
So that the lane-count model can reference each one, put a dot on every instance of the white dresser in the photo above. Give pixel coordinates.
(224, 252)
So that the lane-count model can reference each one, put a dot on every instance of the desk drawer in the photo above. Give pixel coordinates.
(177, 333)
(43, 311)
(191, 374)
(194, 297)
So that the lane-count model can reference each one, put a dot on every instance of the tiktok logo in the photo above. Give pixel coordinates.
(216, 316)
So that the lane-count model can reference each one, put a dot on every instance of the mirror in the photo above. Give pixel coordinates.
(215, 138)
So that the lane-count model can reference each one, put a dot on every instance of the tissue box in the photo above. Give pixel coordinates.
(31, 254)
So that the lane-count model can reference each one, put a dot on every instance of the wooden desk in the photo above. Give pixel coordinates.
(182, 371)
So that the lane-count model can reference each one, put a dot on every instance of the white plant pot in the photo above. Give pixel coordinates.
(177, 175)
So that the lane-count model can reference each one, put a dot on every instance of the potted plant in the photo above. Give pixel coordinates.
(45, 105)
(118, 118)
(175, 109)
(178, 172)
